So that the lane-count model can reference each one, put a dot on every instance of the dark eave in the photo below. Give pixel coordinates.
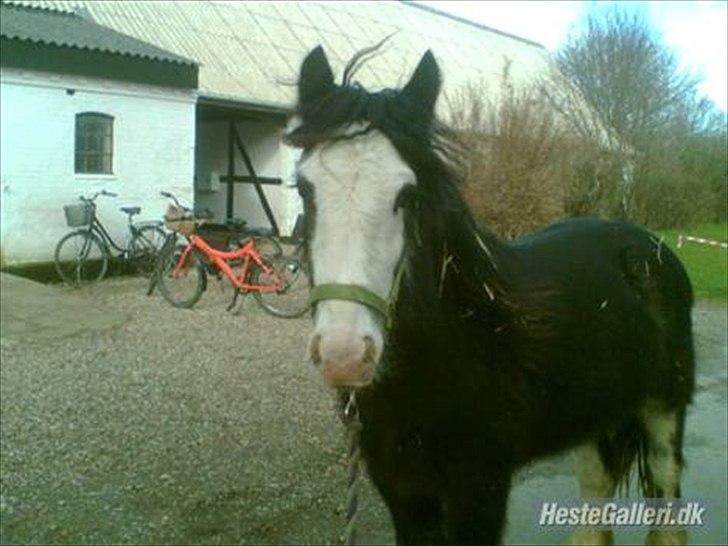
(219, 109)
(97, 64)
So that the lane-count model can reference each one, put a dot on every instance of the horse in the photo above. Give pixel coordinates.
(471, 356)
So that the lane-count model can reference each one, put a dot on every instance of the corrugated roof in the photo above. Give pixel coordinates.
(251, 51)
(62, 28)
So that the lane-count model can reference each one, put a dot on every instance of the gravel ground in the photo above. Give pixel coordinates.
(194, 427)
(177, 427)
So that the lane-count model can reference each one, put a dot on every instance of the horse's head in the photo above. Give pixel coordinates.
(355, 181)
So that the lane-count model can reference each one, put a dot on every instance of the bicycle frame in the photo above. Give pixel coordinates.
(97, 227)
(247, 253)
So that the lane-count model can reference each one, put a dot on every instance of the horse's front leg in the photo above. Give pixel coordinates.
(417, 519)
(475, 509)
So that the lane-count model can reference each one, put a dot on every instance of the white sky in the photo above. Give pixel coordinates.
(695, 30)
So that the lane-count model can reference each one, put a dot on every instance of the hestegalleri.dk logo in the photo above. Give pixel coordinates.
(624, 512)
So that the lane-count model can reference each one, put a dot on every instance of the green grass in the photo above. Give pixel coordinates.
(707, 266)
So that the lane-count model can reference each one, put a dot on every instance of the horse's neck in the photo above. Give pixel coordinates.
(453, 270)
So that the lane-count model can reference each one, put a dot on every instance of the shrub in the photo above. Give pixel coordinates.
(526, 163)
(514, 163)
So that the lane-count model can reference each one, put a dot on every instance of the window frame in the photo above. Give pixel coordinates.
(83, 154)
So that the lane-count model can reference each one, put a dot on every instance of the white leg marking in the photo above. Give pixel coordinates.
(667, 537)
(661, 429)
(590, 537)
(594, 482)
(664, 467)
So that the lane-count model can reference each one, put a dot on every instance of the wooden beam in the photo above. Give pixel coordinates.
(229, 214)
(255, 181)
(250, 180)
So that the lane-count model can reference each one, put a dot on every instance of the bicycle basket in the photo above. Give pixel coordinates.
(185, 227)
(78, 214)
(177, 220)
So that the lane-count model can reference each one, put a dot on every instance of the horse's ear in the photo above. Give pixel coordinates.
(424, 85)
(316, 78)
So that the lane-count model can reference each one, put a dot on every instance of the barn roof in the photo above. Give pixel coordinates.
(250, 52)
(56, 28)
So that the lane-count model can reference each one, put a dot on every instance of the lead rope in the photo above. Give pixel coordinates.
(350, 417)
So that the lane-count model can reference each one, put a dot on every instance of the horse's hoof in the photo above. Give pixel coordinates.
(591, 537)
(667, 537)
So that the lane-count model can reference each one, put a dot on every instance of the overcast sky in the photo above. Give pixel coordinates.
(695, 30)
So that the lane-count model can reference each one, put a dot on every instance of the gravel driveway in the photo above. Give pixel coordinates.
(176, 427)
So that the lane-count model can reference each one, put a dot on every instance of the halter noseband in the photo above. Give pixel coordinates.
(349, 292)
(360, 294)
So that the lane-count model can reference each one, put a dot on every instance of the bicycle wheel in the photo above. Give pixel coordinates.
(183, 286)
(81, 258)
(170, 242)
(144, 248)
(292, 299)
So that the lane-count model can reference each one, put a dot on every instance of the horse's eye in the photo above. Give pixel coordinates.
(405, 197)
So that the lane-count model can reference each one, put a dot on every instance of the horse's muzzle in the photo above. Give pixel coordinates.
(347, 360)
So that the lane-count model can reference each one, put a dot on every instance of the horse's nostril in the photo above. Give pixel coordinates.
(314, 349)
(370, 351)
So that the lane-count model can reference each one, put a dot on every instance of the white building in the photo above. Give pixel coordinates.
(249, 54)
(83, 108)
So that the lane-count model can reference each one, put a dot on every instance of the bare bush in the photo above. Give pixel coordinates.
(681, 181)
(615, 131)
(593, 180)
(514, 165)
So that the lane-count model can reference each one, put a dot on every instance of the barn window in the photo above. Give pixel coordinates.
(94, 143)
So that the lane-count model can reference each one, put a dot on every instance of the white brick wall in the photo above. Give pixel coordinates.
(154, 139)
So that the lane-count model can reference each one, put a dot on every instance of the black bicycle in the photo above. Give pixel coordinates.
(82, 256)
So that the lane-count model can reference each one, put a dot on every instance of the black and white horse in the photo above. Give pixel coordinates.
(471, 356)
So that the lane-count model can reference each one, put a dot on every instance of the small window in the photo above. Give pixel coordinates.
(94, 143)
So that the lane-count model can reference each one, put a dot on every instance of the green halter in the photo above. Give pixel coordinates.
(360, 294)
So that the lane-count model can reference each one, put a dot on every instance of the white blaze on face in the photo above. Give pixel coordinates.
(357, 239)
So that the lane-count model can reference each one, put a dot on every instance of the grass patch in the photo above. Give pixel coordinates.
(707, 266)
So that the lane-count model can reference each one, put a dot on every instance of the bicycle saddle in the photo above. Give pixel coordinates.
(131, 211)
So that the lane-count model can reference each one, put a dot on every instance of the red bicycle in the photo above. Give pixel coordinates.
(279, 283)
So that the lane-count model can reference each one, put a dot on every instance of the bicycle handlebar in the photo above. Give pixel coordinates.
(173, 198)
(203, 214)
(96, 195)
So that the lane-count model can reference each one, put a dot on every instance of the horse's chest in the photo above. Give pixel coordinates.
(404, 457)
